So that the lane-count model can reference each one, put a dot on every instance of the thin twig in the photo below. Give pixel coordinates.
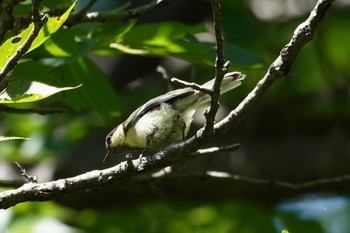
(35, 11)
(31, 179)
(220, 69)
(267, 183)
(21, 22)
(129, 14)
(90, 17)
(85, 9)
(213, 150)
(192, 85)
(284, 184)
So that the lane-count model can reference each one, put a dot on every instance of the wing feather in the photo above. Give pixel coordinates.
(169, 98)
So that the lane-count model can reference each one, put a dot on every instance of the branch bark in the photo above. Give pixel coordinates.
(220, 69)
(181, 151)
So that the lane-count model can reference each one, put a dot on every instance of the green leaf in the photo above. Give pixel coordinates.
(33, 71)
(178, 40)
(23, 9)
(21, 91)
(50, 27)
(62, 44)
(107, 33)
(6, 138)
(96, 92)
(9, 48)
(157, 38)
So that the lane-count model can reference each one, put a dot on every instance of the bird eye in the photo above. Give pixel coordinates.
(108, 140)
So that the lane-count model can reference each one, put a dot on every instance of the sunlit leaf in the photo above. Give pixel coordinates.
(7, 138)
(9, 48)
(62, 44)
(157, 39)
(180, 41)
(21, 91)
(50, 27)
(106, 33)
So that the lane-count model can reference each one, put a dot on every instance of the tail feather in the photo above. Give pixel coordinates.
(231, 80)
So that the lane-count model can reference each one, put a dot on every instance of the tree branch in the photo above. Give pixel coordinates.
(220, 69)
(129, 14)
(310, 185)
(212, 150)
(242, 186)
(84, 11)
(50, 190)
(31, 179)
(279, 68)
(181, 151)
(84, 17)
(192, 85)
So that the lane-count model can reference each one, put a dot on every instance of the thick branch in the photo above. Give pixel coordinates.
(177, 152)
(50, 190)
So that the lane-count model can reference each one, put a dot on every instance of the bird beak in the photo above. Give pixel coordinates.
(110, 151)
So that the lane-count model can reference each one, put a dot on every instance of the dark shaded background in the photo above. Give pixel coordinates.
(299, 132)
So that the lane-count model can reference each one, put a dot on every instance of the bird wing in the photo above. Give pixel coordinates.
(169, 97)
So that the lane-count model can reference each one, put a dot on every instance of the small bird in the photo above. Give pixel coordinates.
(164, 119)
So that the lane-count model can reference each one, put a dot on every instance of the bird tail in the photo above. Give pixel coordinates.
(231, 80)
